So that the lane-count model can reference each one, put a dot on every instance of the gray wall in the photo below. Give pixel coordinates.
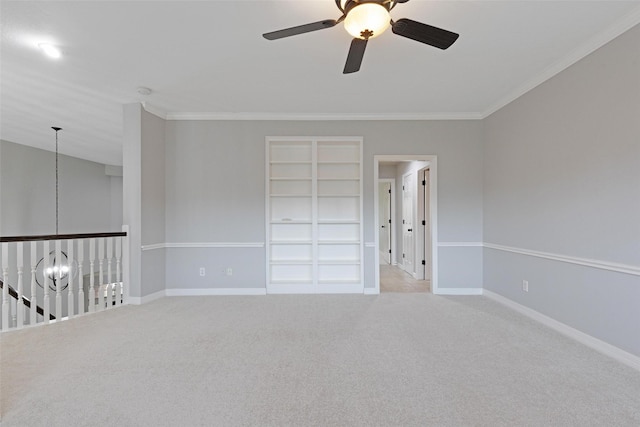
(215, 173)
(87, 195)
(562, 175)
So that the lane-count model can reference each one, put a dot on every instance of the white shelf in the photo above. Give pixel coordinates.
(291, 262)
(314, 214)
(290, 178)
(290, 162)
(337, 162)
(336, 282)
(338, 262)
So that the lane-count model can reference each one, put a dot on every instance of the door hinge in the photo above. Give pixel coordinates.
(424, 222)
(402, 255)
(403, 187)
(389, 221)
(423, 262)
(403, 221)
(389, 250)
(424, 182)
(389, 191)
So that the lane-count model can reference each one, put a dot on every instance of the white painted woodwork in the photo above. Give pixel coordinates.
(101, 260)
(82, 307)
(314, 211)
(384, 213)
(33, 311)
(108, 286)
(108, 292)
(118, 271)
(20, 303)
(71, 310)
(57, 272)
(408, 184)
(6, 308)
(46, 304)
(92, 273)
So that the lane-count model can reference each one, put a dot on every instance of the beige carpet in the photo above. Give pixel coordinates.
(388, 360)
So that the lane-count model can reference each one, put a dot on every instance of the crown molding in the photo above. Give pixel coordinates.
(576, 55)
(156, 111)
(321, 116)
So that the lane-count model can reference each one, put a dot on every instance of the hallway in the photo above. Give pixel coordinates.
(393, 279)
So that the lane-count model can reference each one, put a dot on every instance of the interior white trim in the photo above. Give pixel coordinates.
(460, 244)
(603, 265)
(582, 51)
(215, 291)
(203, 245)
(319, 116)
(596, 344)
(458, 291)
(147, 298)
(371, 291)
(152, 109)
(369, 244)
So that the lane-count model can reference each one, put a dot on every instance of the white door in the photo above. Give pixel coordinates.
(427, 225)
(384, 215)
(407, 223)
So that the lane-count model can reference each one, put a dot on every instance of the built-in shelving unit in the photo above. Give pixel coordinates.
(314, 215)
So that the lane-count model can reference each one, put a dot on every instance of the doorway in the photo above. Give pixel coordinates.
(416, 227)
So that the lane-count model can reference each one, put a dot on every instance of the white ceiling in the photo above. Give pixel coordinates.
(208, 59)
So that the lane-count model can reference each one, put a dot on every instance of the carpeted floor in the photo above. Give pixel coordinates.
(318, 360)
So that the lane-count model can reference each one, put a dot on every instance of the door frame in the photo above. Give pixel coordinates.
(433, 212)
(392, 235)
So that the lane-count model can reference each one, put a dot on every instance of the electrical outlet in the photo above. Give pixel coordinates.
(525, 285)
(202, 271)
(229, 271)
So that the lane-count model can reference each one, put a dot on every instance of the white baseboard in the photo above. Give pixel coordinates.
(147, 298)
(458, 291)
(371, 291)
(215, 291)
(607, 349)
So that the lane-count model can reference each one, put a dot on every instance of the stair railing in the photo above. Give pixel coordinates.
(70, 275)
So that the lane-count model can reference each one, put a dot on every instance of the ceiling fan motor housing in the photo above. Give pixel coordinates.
(346, 5)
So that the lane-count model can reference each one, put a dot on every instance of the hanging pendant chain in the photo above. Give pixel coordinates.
(56, 182)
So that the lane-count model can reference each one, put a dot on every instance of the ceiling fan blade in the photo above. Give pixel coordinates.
(423, 33)
(356, 53)
(300, 29)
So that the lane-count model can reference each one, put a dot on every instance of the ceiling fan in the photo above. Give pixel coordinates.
(366, 19)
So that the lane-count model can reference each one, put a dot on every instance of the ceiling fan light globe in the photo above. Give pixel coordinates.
(367, 20)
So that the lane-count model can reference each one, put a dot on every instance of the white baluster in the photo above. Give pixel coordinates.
(91, 292)
(71, 310)
(45, 283)
(33, 319)
(109, 288)
(118, 272)
(20, 303)
(57, 273)
(81, 303)
(101, 276)
(6, 308)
